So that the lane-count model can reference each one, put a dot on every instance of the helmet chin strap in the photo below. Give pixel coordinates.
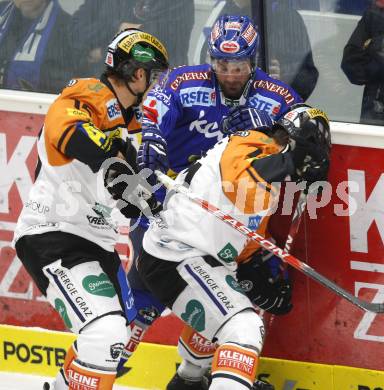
(139, 95)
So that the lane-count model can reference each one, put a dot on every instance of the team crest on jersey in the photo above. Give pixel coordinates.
(113, 109)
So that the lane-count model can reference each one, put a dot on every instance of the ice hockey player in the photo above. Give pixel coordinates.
(195, 264)
(182, 116)
(66, 232)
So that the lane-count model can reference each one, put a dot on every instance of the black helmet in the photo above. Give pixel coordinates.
(132, 49)
(308, 123)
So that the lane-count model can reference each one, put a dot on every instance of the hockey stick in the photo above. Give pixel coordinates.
(268, 245)
(293, 229)
(296, 219)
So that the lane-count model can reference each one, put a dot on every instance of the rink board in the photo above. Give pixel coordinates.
(41, 352)
(348, 248)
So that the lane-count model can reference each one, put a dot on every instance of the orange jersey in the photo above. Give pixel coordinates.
(84, 100)
(68, 195)
(250, 188)
(234, 176)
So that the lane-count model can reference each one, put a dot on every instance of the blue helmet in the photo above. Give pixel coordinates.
(233, 37)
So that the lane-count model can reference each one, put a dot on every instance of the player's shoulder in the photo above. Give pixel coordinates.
(88, 96)
(251, 138)
(191, 75)
(88, 88)
(262, 81)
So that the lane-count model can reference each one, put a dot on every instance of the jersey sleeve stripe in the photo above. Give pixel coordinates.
(64, 138)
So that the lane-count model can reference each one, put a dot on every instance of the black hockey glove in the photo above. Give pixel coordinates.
(243, 118)
(117, 168)
(376, 48)
(310, 142)
(310, 163)
(263, 287)
(130, 189)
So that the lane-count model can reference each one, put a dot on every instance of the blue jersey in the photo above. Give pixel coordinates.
(188, 106)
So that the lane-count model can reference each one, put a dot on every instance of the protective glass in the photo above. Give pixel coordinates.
(231, 67)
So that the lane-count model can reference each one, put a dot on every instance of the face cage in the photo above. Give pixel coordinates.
(323, 136)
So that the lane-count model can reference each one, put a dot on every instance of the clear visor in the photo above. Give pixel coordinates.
(155, 75)
(231, 67)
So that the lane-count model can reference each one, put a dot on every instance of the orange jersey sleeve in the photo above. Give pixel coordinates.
(247, 187)
(84, 100)
(243, 185)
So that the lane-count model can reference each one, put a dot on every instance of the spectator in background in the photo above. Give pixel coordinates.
(313, 5)
(33, 46)
(356, 7)
(288, 48)
(363, 62)
(287, 43)
(169, 20)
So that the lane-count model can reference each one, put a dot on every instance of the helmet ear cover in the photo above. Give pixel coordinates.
(308, 124)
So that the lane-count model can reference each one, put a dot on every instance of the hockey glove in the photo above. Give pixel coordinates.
(263, 284)
(153, 152)
(130, 189)
(117, 168)
(311, 164)
(243, 118)
(376, 48)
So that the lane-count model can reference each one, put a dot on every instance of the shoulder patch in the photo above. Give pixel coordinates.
(96, 87)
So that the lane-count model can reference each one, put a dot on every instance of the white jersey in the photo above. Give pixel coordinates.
(68, 198)
(67, 195)
(228, 180)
